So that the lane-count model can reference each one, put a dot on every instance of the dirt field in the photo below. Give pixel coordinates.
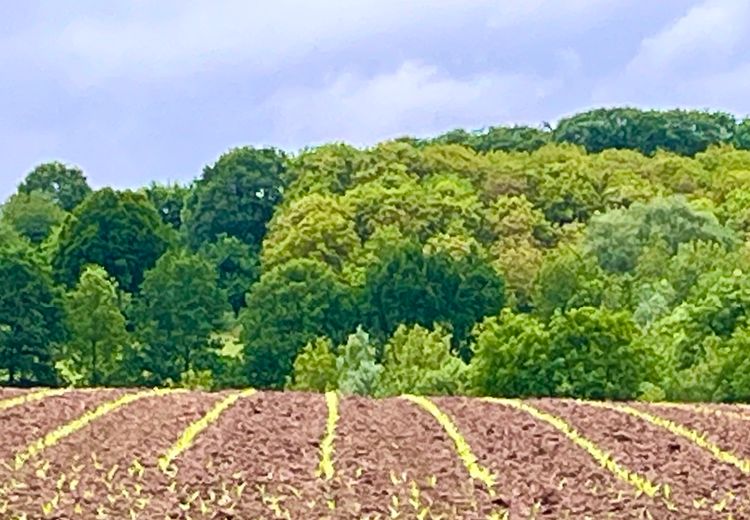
(174, 454)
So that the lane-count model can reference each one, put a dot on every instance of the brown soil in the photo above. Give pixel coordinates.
(698, 481)
(97, 462)
(392, 448)
(258, 460)
(729, 432)
(391, 458)
(23, 424)
(540, 473)
(6, 393)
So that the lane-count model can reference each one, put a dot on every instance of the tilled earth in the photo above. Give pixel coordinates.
(259, 457)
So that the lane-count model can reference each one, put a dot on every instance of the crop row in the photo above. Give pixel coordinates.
(641, 484)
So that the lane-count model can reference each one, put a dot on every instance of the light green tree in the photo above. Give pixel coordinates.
(419, 361)
(315, 368)
(97, 331)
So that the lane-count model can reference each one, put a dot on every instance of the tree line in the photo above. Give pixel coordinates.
(604, 258)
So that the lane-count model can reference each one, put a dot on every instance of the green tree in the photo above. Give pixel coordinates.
(31, 319)
(686, 132)
(410, 287)
(419, 361)
(33, 215)
(592, 354)
(288, 307)
(168, 199)
(315, 226)
(511, 357)
(568, 279)
(618, 237)
(97, 330)
(315, 368)
(237, 265)
(236, 196)
(357, 365)
(179, 306)
(733, 375)
(327, 170)
(119, 231)
(66, 185)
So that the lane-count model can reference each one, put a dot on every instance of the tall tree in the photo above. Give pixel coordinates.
(686, 132)
(94, 353)
(31, 319)
(65, 184)
(119, 231)
(33, 215)
(179, 306)
(290, 306)
(237, 196)
(618, 237)
(410, 287)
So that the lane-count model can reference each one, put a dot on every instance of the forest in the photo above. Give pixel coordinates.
(604, 257)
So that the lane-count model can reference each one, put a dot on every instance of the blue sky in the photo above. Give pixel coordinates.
(139, 90)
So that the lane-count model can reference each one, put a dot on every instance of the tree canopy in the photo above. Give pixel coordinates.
(605, 256)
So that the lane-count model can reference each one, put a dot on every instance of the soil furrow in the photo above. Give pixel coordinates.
(23, 424)
(107, 468)
(541, 473)
(258, 460)
(699, 485)
(392, 448)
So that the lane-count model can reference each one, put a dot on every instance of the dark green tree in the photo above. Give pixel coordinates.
(168, 199)
(410, 287)
(179, 306)
(236, 196)
(685, 132)
(65, 184)
(120, 231)
(31, 319)
(287, 308)
(237, 266)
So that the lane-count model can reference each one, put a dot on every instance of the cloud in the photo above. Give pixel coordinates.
(707, 32)
(695, 61)
(414, 99)
(156, 40)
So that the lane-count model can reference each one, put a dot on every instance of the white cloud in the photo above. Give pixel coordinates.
(415, 99)
(696, 61)
(163, 39)
(708, 31)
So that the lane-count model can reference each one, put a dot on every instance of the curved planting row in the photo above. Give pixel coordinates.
(247, 454)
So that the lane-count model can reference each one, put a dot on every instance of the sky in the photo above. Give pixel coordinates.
(134, 91)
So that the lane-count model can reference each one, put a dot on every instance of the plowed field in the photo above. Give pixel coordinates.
(146, 454)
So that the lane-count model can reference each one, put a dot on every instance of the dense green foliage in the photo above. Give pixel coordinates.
(607, 257)
(120, 231)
